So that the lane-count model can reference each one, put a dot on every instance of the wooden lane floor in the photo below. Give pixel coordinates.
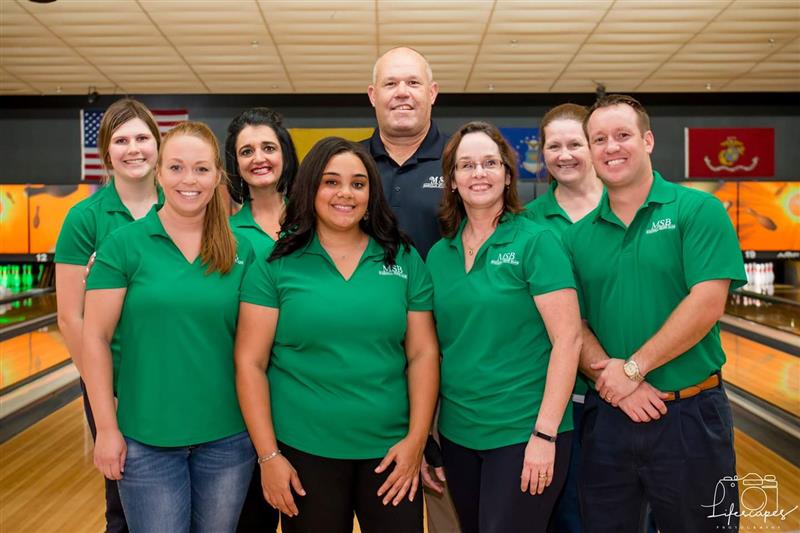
(28, 354)
(48, 482)
(764, 372)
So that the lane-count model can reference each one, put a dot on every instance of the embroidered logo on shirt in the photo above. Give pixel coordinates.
(434, 182)
(661, 225)
(507, 258)
(237, 260)
(395, 270)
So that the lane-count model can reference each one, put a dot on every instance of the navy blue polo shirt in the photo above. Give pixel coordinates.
(414, 190)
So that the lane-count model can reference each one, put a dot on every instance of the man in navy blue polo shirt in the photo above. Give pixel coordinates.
(406, 144)
(407, 147)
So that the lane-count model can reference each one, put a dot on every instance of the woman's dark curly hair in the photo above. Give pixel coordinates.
(258, 116)
(300, 221)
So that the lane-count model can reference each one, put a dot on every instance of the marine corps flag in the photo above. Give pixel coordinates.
(730, 152)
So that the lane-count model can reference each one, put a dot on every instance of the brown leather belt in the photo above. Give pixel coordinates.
(712, 381)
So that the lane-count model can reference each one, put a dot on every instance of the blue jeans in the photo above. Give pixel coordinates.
(185, 489)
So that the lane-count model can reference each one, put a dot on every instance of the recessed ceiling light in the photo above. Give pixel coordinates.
(513, 42)
(254, 44)
(491, 87)
(708, 86)
(771, 41)
(275, 86)
(59, 89)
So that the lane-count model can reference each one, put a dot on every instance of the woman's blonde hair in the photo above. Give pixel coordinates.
(218, 245)
(115, 116)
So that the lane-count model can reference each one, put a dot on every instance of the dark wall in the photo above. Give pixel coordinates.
(40, 136)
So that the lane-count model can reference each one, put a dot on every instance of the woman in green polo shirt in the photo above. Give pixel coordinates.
(261, 162)
(169, 285)
(127, 145)
(339, 318)
(508, 323)
(574, 191)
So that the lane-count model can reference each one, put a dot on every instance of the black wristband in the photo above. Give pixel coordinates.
(545, 436)
(433, 454)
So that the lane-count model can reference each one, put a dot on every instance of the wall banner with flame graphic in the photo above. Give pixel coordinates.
(730, 152)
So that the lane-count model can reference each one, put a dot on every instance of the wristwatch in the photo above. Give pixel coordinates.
(631, 369)
(545, 436)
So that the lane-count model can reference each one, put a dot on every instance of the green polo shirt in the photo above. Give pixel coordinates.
(337, 372)
(632, 278)
(244, 224)
(87, 225)
(495, 348)
(177, 327)
(546, 211)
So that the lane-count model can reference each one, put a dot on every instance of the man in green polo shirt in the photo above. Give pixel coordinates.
(653, 264)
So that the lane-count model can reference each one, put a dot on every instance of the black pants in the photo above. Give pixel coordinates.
(337, 488)
(115, 517)
(257, 515)
(676, 463)
(485, 486)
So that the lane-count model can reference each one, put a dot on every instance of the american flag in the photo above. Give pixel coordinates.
(92, 166)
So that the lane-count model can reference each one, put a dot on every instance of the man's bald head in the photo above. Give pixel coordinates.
(401, 51)
(402, 93)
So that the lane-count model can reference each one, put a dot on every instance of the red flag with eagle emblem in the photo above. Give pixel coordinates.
(730, 152)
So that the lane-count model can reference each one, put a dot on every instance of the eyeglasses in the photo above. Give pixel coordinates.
(489, 165)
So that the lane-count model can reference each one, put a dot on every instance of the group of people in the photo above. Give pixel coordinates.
(289, 360)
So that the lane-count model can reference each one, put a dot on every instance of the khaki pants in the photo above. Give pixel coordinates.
(442, 517)
(441, 513)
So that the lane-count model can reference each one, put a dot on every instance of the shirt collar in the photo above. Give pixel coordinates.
(504, 233)
(112, 203)
(549, 204)
(111, 200)
(153, 224)
(374, 249)
(431, 148)
(661, 192)
(244, 217)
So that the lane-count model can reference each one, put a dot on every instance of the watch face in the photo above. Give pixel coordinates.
(630, 369)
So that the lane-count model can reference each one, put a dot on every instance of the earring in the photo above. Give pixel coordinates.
(366, 215)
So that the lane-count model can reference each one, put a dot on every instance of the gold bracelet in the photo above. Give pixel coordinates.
(264, 458)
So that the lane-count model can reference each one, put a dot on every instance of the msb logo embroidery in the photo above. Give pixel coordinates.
(395, 270)
(505, 258)
(434, 182)
(661, 225)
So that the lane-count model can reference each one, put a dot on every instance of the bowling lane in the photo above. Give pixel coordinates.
(19, 311)
(29, 354)
(775, 314)
(764, 372)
